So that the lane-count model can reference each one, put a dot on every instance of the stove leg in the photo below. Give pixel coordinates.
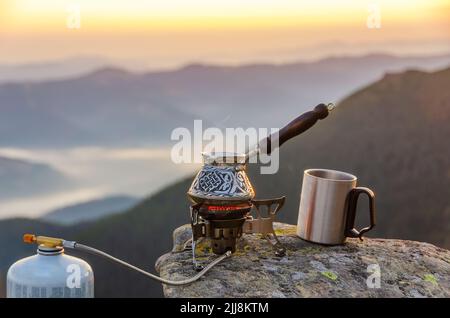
(188, 245)
(197, 266)
(279, 248)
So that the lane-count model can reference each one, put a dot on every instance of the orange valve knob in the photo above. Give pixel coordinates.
(29, 238)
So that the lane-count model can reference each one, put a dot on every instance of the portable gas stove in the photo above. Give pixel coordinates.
(224, 224)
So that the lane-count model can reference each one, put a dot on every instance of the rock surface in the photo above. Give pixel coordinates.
(406, 268)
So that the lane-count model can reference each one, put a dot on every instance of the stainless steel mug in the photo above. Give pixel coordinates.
(328, 207)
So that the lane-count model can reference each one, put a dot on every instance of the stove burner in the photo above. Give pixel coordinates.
(223, 224)
(216, 208)
(223, 212)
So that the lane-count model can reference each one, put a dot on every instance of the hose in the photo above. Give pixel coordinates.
(95, 251)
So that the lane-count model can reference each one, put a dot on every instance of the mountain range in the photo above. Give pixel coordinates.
(113, 106)
(393, 134)
(23, 178)
(61, 69)
(90, 210)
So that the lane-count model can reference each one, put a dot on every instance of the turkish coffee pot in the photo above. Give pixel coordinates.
(222, 195)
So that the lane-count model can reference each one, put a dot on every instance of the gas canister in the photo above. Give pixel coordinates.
(50, 274)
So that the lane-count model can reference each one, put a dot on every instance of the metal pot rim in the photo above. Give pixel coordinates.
(223, 158)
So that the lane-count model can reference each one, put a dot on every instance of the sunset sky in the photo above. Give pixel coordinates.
(172, 32)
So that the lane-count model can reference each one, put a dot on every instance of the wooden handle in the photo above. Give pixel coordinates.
(298, 125)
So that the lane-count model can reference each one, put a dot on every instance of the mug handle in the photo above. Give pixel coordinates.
(353, 196)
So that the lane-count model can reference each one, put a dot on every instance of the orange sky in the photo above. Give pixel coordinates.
(172, 32)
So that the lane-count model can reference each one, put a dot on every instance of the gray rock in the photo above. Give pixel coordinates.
(405, 268)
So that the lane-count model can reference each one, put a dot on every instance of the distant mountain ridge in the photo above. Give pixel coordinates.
(59, 69)
(90, 210)
(21, 178)
(392, 134)
(111, 106)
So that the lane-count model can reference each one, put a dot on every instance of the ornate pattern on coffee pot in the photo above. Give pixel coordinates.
(222, 183)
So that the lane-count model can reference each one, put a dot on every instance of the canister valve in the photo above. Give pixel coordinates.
(43, 240)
